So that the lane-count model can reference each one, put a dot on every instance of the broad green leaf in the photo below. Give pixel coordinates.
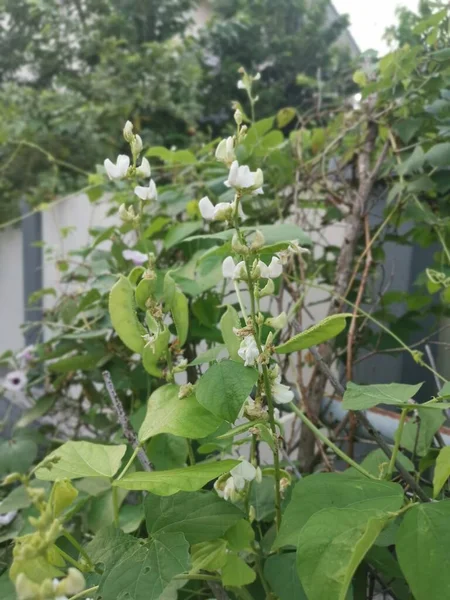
(240, 536)
(236, 572)
(123, 315)
(80, 362)
(101, 510)
(334, 490)
(362, 397)
(200, 516)
(167, 451)
(209, 355)
(185, 417)
(413, 163)
(209, 556)
(17, 455)
(82, 459)
(423, 550)
(280, 570)
(285, 116)
(178, 304)
(442, 470)
(7, 588)
(131, 517)
(323, 331)
(418, 434)
(389, 571)
(109, 545)
(224, 388)
(154, 353)
(18, 498)
(439, 155)
(376, 463)
(144, 570)
(229, 320)
(333, 543)
(180, 232)
(156, 225)
(167, 483)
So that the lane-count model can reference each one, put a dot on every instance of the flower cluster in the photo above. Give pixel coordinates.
(231, 485)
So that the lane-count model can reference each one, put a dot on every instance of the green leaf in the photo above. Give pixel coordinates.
(109, 545)
(7, 588)
(154, 352)
(167, 483)
(82, 459)
(337, 490)
(144, 570)
(17, 455)
(285, 116)
(262, 498)
(200, 516)
(236, 572)
(418, 434)
(333, 543)
(412, 164)
(224, 388)
(131, 517)
(273, 234)
(80, 362)
(180, 232)
(376, 463)
(42, 406)
(230, 319)
(123, 315)
(209, 355)
(362, 397)
(389, 570)
(442, 470)
(327, 329)
(280, 570)
(439, 155)
(423, 549)
(240, 536)
(209, 556)
(166, 413)
(178, 304)
(167, 451)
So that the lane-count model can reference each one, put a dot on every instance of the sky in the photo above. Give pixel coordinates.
(370, 18)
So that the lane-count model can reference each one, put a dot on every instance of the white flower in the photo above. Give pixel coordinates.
(118, 170)
(232, 271)
(144, 170)
(248, 350)
(241, 473)
(277, 322)
(220, 212)
(128, 131)
(15, 381)
(138, 258)
(127, 215)
(293, 248)
(241, 85)
(282, 394)
(7, 518)
(272, 271)
(225, 151)
(242, 178)
(146, 193)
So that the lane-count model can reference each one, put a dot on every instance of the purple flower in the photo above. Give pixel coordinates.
(138, 258)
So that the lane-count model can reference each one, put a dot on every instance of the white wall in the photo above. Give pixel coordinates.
(11, 289)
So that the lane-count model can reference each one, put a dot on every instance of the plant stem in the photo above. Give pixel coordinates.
(70, 560)
(197, 577)
(84, 593)
(323, 438)
(398, 438)
(192, 460)
(69, 537)
(129, 463)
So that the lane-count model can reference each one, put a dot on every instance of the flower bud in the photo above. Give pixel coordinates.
(136, 145)
(238, 117)
(11, 478)
(268, 289)
(63, 494)
(258, 475)
(277, 322)
(26, 589)
(258, 241)
(186, 390)
(128, 132)
(74, 583)
(126, 215)
(238, 246)
(252, 514)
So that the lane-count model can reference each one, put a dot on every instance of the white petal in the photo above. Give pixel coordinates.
(15, 381)
(244, 470)
(282, 394)
(7, 518)
(138, 258)
(206, 208)
(233, 174)
(264, 270)
(241, 85)
(144, 169)
(141, 192)
(111, 170)
(222, 211)
(228, 267)
(275, 267)
(245, 178)
(123, 162)
(221, 151)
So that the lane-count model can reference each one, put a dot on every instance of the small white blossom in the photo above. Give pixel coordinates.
(146, 193)
(232, 271)
(282, 394)
(248, 350)
(241, 178)
(118, 170)
(220, 212)
(138, 258)
(144, 169)
(273, 270)
(15, 381)
(292, 249)
(242, 473)
(225, 151)
(127, 215)
(7, 518)
(277, 322)
(128, 131)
